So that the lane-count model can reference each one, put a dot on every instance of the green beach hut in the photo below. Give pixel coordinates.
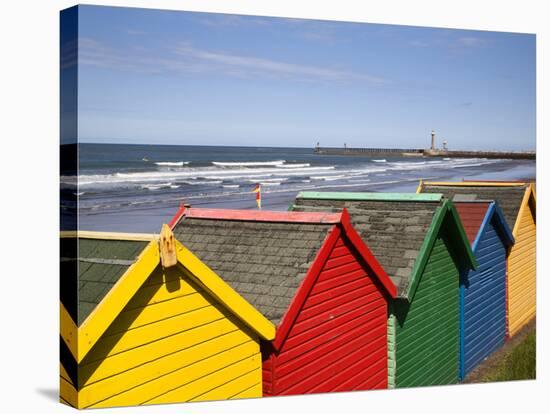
(421, 243)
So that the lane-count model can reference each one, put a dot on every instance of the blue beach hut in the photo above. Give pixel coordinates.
(483, 319)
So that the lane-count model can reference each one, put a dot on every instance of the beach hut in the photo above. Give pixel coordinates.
(518, 203)
(483, 295)
(143, 321)
(315, 279)
(420, 242)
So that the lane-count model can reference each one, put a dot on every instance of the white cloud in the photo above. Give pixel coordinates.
(274, 67)
(184, 58)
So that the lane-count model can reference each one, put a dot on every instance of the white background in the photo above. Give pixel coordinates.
(29, 139)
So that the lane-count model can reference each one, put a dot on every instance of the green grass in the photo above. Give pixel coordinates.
(519, 364)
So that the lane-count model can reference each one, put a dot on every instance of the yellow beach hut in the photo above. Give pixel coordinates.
(518, 203)
(144, 321)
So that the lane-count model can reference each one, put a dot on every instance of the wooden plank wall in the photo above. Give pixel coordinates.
(427, 331)
(522, 273)
(267, 369)
(338, 341)
(484, 307)
(67, 392)
(171, 343)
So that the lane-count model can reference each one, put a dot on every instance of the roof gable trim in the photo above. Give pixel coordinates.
(224, 293)
(260, 216)
(116, 299)
(305, 287)
(425, 249)
(473, 183)
(177, 217)
(68, 330)
(529, 201)
(367, 255)
(131, 281)
(420, 264)
(345, 228)
(502, 182)
(494, 213)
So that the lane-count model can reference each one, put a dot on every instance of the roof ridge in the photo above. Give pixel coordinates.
(476, 183)
(370, 196)
(481, 201)
(429, 239)
(263, 216)
(496, 181)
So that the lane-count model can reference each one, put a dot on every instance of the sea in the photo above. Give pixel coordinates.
(136, 188)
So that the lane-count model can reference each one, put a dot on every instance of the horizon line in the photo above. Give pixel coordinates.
(270, 146)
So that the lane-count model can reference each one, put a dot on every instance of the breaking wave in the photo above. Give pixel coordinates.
(172, 164)
(248, 163)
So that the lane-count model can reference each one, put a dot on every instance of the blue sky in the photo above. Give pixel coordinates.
(151, 76)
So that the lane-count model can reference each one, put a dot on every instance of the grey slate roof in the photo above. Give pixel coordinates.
(101, 263)
(508, 198)
(393, 230)
(265, 262)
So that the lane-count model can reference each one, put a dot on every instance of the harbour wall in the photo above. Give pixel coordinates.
(419, 152)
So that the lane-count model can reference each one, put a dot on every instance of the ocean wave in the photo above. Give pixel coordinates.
(213, 173)
(215, 182)
(248, 163)
(468, 165)
(383, 160)
(454, 163)
(363, 171)
(154, 187)
(255, 175)
(231, 186)
(201, 182)
(269, 180)
(330, 177)
(172, 164)
(290, 174)
(294, 165)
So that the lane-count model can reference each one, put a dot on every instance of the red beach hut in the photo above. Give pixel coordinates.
(315, 279)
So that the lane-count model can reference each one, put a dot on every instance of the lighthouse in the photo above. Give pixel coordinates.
(433, 140)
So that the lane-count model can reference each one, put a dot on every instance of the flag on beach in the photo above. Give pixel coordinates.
(258, 192)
